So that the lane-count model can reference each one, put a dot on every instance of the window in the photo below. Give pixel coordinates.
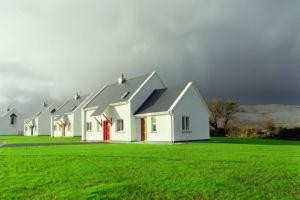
(120, 125)
(89, 126)
(54, 127)
(26, 128)
(185, 123)
(153, 124)
(98, 127)
(13, 119)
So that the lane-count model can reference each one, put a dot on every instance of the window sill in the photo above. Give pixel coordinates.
(153, 131)
(120, 131)
(186, 131)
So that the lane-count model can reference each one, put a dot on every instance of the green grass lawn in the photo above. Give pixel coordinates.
(36, 139)
(224, 168)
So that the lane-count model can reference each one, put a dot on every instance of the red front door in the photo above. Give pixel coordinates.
(106, 131)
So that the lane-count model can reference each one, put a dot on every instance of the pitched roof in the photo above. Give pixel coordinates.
(10, 111)
(40, 110)
(160, 100)
(115, 93)
(70, 105)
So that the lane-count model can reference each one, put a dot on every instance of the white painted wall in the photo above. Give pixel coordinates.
(92, 135)
(138, 99)
(120, 112)
(76, 125)
(58, 131)
(36, 126)
(163, 127)
(28, 131)
(191, 105)
(114, 113)
(42, 123)
(69, 120)
(7, 129)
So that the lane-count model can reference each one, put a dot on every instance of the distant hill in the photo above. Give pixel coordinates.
(259, 115)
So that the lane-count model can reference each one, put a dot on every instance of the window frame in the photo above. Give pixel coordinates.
(98, 127)
(153, 124)
(89, 127)
(185, 124)
(120, 125)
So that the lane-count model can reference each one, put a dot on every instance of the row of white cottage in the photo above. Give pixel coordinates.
(136, 109)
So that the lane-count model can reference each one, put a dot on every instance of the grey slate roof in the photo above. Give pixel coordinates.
(160, 100)
(70, 105)
(40, 110)
(113, 94)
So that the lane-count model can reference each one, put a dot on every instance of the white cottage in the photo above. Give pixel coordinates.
(11, 123)
(175, 114)
(66, 121)
(40, 122)
(143, 109)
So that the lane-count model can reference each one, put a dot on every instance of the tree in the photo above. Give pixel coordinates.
(216, 109)
(230, 108)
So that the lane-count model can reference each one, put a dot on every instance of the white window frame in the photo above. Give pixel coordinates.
(185, 123)
(89, 126)
(153, 124)
(98, 127)
(120, 125)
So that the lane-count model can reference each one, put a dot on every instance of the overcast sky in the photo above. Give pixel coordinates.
(248, 51)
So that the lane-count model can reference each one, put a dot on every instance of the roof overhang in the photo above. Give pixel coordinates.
(154, 113)
(118, 103)
(91, 108)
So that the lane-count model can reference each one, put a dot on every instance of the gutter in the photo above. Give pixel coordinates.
(154, 113)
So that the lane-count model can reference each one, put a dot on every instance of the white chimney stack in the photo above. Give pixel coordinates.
(121, 79)
(77, 96)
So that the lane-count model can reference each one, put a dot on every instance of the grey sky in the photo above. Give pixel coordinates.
(244, 50)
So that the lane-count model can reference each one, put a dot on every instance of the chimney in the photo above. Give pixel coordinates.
(121, 79)
(77, 96)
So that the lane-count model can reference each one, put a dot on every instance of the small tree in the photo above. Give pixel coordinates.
(230, 108)
(216, 109)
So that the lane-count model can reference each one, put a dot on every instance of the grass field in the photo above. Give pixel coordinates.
(224, 168)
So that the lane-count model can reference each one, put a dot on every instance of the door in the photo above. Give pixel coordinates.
(31, 131)
(106, 131)
(143, 129)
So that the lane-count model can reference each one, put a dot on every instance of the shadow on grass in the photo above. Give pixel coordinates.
(256, 141)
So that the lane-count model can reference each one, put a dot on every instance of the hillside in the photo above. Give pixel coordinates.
(259, 115)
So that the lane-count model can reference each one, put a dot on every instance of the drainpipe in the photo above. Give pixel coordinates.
(172, 128)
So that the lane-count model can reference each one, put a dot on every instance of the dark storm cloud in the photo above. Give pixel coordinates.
(242, 50)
